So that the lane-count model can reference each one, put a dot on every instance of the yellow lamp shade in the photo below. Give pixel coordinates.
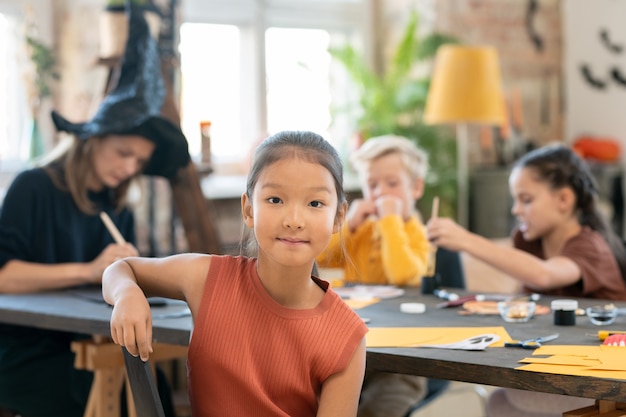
(465, 87)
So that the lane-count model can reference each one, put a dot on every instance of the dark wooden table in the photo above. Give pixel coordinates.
(494, 366)
(63, 310)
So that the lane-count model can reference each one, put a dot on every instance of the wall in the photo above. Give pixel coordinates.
(596, 40)
(535, 72)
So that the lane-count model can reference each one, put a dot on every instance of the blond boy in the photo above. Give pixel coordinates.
(384, 237)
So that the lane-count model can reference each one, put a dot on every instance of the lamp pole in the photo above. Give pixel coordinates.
(462, 174)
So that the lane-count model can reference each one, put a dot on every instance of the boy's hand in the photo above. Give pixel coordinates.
(389, 204)
(358, 212)
(131, 324)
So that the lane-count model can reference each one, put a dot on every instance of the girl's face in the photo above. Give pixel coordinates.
(387, 176)
(293, 211)
(539, 209)
(117, 158)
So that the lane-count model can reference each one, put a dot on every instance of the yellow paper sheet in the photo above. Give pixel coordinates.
(596, 361)
(415, 336)
(356, 303)
(568, 360)
(573, 370)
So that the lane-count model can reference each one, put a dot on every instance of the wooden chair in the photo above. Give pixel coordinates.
(143, 386)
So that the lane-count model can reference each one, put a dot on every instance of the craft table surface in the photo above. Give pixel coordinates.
(61, 310)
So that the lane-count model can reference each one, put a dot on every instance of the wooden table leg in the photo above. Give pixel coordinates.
(601, 408)
(106, 361)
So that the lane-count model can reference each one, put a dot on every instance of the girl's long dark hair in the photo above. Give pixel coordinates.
(560, 167)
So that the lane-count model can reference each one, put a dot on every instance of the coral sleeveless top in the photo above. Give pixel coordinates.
(249, 355)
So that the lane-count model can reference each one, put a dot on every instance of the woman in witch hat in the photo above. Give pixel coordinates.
(51, 234)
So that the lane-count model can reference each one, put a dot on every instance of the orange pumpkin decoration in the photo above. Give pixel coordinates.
(597, 148)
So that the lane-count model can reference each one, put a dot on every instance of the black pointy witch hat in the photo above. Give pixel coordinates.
(133, 107)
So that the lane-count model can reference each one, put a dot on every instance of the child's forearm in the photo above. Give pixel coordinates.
(523, 266)
(117, 280)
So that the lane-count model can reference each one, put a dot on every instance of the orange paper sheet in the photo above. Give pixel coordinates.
(416, 336)
(596, 361)
(356, 303)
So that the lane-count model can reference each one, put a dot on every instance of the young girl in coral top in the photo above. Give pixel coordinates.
(268, 339)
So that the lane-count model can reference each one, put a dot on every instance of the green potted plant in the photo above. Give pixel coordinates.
(393, 101)
(40, 76)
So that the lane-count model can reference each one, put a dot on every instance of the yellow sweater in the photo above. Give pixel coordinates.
(380, 251)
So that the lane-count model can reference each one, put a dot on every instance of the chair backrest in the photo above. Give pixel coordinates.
(450, 269)
(143, 386)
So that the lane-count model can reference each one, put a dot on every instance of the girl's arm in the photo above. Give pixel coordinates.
(340, 392)
(535, 273)
(128, 282)
(18, 276)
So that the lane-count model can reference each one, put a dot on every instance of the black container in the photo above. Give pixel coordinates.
(564, 312)
(430, 284)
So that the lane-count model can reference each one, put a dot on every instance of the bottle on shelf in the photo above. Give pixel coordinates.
(205, 143)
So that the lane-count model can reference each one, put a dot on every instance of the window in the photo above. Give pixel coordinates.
(255, 67)
(16, 85)
(13, 102)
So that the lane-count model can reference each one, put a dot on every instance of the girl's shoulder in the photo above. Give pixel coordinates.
(31, 184)
(32, 178)
(588, 238)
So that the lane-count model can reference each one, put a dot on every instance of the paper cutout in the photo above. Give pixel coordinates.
(596, 361)
(479, 342)
(416, 336)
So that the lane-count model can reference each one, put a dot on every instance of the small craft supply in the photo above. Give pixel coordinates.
(602, 315)
(516, 311)
(117, 236)
(412, 308)
(432, 254)
(479, 342)
(603, 334)
(615, 340)
(445, 295)
(491, 307)
(430, 284)
(564, 312)
(531, 343)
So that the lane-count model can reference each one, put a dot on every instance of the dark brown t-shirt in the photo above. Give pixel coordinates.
(600, 274)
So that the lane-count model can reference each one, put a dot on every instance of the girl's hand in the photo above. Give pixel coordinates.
(110, 254)
(358, 212)
(131, 323)
(446, 233)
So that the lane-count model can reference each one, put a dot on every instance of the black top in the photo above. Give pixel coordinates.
(42, 224)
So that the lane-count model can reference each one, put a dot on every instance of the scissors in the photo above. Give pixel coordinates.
(531, 343)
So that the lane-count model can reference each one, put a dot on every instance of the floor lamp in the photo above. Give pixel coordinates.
(465, 88)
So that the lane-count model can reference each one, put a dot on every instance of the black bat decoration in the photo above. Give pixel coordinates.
(606, 41)
(591, 80)
(618, 77)
(532, 32)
